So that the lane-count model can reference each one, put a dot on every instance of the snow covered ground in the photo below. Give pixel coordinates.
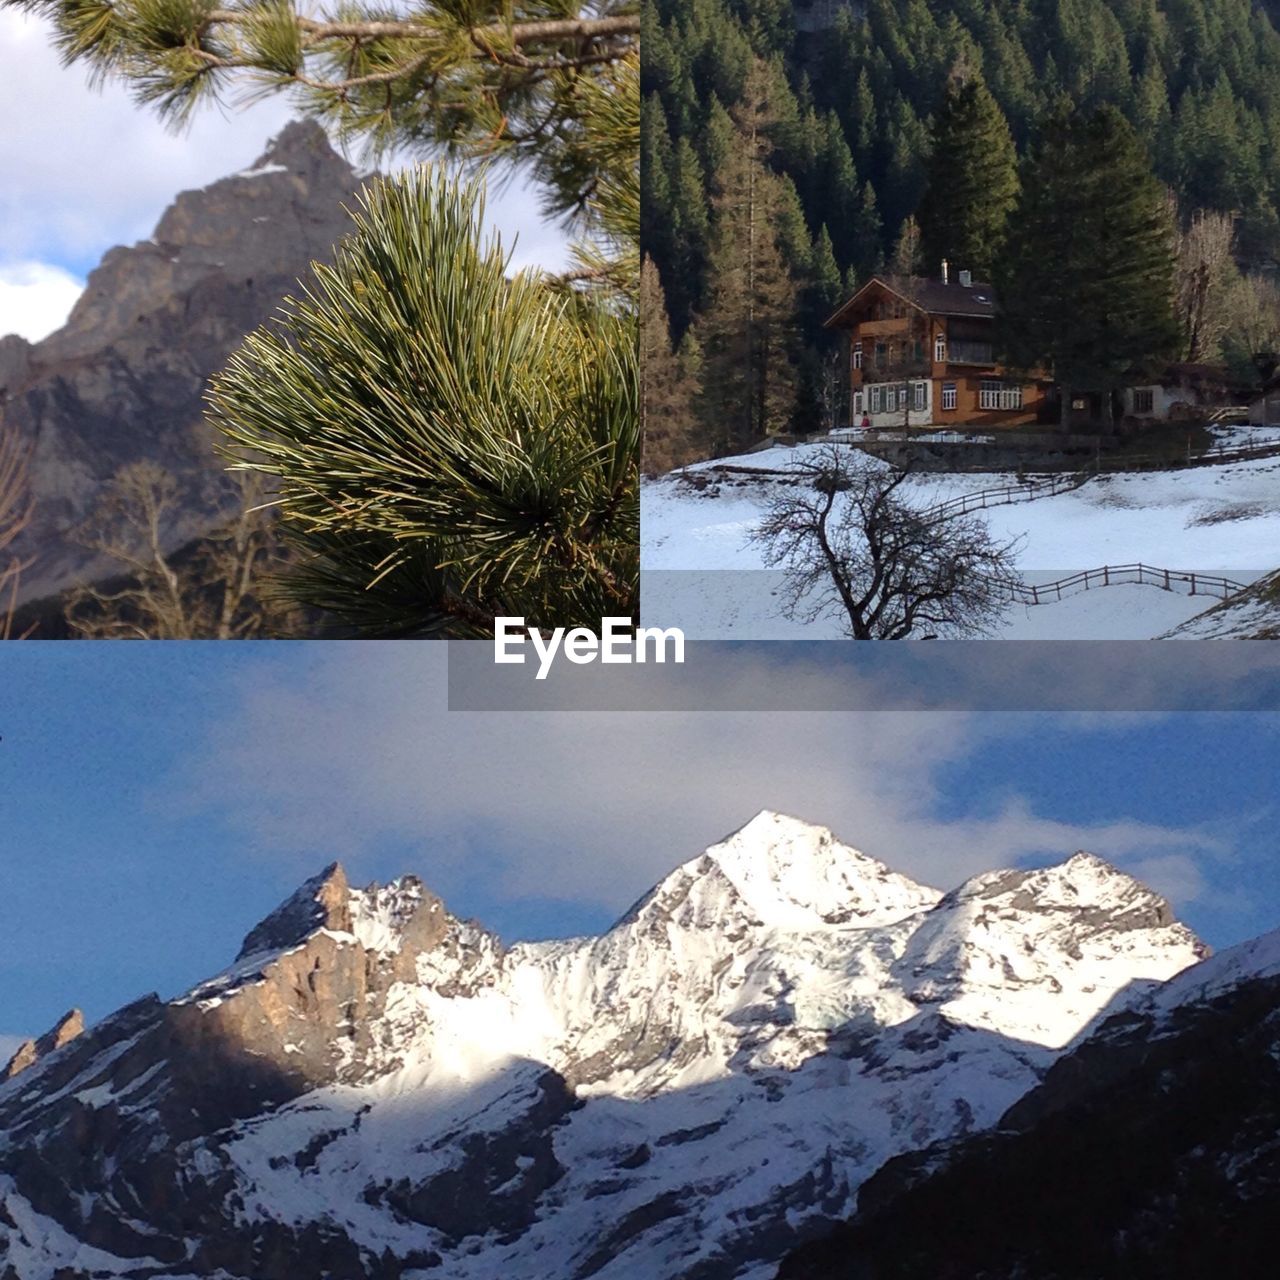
(702, 573)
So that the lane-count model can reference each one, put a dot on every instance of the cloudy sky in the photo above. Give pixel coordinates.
(86, 170)
(156, 801)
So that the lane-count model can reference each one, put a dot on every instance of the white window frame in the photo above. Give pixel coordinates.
(857, 355)
(857, 404)
(902, 398)
(948, 395)
(939, 349)
(1149, 396)
(920, 396)
(994, 394)
(877, 399)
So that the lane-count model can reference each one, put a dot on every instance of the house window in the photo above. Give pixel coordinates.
(920, 397)
(940, 348)
(902, 399)
(1144, 399)
(948, 395)
(877, 399)
(994, 394)
(857, 355)
(882, 351)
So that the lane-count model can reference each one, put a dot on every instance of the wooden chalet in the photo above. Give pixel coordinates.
(922, 354)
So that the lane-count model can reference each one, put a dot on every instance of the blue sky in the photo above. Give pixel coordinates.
(85, 170)
(157, 800)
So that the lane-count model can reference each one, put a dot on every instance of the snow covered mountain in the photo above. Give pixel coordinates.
(378, 1089)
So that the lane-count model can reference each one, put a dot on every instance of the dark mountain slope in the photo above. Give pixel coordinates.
(1152, 1151)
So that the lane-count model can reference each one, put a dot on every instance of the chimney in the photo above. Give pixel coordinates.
(966, 278)
(946, 270)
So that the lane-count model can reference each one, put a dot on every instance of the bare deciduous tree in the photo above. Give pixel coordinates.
(1255, 318)
(217, 590)
(1205, 275)
(15, 512)
(850, 546)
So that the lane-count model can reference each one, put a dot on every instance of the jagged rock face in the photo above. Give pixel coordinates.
(380, 1085)
(70, 1025)
(124, 380)
(1148, 1151)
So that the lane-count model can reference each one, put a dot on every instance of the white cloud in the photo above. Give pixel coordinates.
(85, 170)
(360, 755)
(35, 298)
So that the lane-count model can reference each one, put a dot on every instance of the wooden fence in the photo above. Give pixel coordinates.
(1004, 495)
(1181, 581)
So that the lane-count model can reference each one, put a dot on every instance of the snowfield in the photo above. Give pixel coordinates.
(703, 574)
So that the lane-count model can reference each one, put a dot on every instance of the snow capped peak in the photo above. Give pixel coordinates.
(1100, 894)
(776, 1019)
(1037, 954)
(796, 875)
(1083, 858)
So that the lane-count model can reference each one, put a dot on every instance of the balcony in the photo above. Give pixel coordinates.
(965, 352)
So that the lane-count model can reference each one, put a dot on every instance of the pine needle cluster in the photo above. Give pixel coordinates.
(513, 80)
(451, 444)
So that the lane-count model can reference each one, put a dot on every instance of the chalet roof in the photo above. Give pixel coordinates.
(931, 296)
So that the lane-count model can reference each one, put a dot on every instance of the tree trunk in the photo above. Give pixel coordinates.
(1108, 414)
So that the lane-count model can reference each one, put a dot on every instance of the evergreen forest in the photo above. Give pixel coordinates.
(807, 131)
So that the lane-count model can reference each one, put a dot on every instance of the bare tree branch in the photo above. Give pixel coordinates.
(215, 591)
(851, 547)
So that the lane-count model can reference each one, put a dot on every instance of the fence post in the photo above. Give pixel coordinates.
(1193, 584)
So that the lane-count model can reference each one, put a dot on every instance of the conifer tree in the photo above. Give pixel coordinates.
(502, 78)
(749, 324)
(689, 233)
(870, 253)
(1086, 285)
(827, 286)
(667, 383)
(972, 181)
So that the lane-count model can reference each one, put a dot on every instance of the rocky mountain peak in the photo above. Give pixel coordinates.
(323, 902)
(388, 918)
(797, 875)
(378, 1089)
(125, 379)
(298, 144)
(66, 1029)
(1095, 892)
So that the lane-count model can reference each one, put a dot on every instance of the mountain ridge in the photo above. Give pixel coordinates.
(699, 1088)
(124, 379)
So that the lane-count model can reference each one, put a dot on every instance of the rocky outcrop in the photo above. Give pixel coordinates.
(29, 1052)
(125, 379)
(323, 902)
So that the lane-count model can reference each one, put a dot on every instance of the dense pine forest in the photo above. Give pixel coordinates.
(818, 122)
